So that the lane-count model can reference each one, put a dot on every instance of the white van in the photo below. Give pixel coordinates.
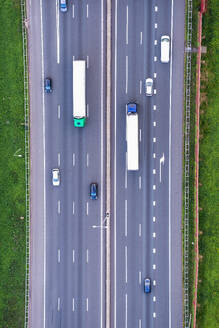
(165, 49)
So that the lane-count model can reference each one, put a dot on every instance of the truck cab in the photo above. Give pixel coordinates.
(131, 108)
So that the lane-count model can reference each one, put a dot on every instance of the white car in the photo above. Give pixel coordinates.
(149, 86)
(165, 49)
(56, 177)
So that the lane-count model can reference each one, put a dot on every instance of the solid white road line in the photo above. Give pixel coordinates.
(127, 24)
(126, 73)
(73, 159)
(73, 207)
(139, 277)
(57, 32)
(73, 304)
(59, 112)
(87, 304)
(59, 159)
(141, 38)
(87, 10)
(126, 310)
(87, 160)
(87, 208)
(59, 256)
(87, 256)
(58, 304)
(139, 230)
(73, 256)
(59, 206)
(73, 11)
(126, 218)
(126, 264)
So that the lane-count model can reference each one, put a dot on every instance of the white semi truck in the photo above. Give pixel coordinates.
(132, 137)
(79, 93)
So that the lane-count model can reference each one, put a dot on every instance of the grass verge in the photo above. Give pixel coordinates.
(12, 168)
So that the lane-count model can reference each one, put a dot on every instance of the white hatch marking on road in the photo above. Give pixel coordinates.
(154, 218)
(141, 38)
(126, 73)
(155, 25)
(126, 173)
(154, 140)
(73, 11)
(73, 159)
(73, 304)
(73, 207)
(155, 58)
(155, 75)
(87, 159)
(154, 250)
(139, 182)
(126, 310)
(59, 112)
(154, 107)
(155, 91)
(139, 277)
(162, 159)
(127, 24)
(139, 230)
(154, 234)
(154, 203)
(154, 315)
(140, 87)
(154, 282)
(154, 299)
(154, 187)
(73, 256)
(87, 304)
(59, 159)
(154, 155)
(58, 305)
(87, 256)
(87, 61)
(139, 135)
(154, 171)
(87, 110)
(155, 42)
(59, 206)
(57, 32)
(59, 255)
(87, 10)
(126, 264)
(126, 218)
(154, 124)
(154, 266)
(156, 8)
(139, 323)
(87, 208)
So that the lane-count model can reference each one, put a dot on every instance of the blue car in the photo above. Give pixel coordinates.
(93, 190)
(63, 5)
(147, 285)
(48, 85)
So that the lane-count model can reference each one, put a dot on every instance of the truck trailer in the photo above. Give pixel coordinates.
(132, 137)
(79, 93)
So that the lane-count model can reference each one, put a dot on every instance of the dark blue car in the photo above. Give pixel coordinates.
(147, 285)
(48, 85)
(93, 190)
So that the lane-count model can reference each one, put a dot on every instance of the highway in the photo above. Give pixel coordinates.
(67, 228)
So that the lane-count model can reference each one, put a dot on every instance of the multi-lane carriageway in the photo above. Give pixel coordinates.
(68, 229)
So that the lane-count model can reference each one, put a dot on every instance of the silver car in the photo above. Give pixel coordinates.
(149, 86)
(56, 177)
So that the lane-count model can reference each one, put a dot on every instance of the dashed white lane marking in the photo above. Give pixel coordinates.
(57, 32)
(155, 75)
(59, 112)
(87, 208)
(154, 171)
(154, 219)
(154, 234)
(59, 255)
(73, 11)
(126, 71)
(139, 230)
(87, 110)
(156, 8)
(154, 266)
(127, 24)
(87, 10)
(154, 155)
(73, 159)
(155, 42)
(73, 256)
(126, 264)
(139, 323)
(87, 256)
(73, 304)
(154, 124)
(126, 310)
(154, 282)
(154, 140)
(59, 206)
(58, 305)
(155, 58)
(155, 25)
(154, 107)
(154, 250)
(59, 159)
(154, 187)
(73, 207)
(155, 91)
(154, 203)
(126, 177)
(87, 159)
(141, 38)
(87, 304)
(139, 135)
(140, 87)
(87, 61)
(139, 277)
(154, 299)
(139, 182)
(126, 218)
(154, 315)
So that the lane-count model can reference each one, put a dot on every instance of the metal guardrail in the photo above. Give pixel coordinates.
(27, 159)
(186, 163)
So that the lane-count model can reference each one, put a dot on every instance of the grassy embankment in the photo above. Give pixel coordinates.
(12, 169)
(208, 288)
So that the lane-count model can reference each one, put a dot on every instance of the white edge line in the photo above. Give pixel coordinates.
(57, 33)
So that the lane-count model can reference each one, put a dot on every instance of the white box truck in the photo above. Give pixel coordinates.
(132, 137)
(79, 93)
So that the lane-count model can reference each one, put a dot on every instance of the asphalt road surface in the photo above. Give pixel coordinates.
(67, 228)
